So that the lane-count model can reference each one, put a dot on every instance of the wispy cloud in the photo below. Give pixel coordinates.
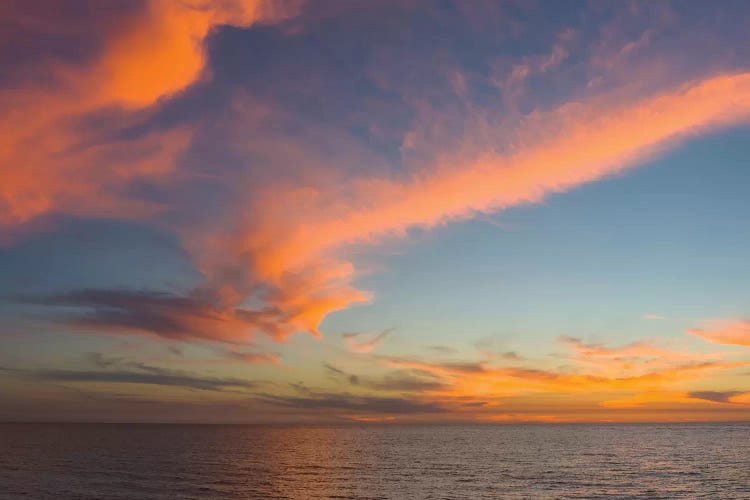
(73, 168)
(406, 381)
(119, 371)
(480, 380)
(279, 235)
(336, 372)
(141, 311)
(356, 344)
(493, 348)
(253, 357)
(441, 349)
(355, 403)
(196, 315)
(304, 227)
(733, 332)
(638, 357)
(639, 349)
(654, 317)
(398, 381)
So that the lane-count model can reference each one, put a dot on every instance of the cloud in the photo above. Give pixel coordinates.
(175, 350)
(367, 345)
(399, 381)
(639, 357)
(172, 34)
(492, 348)
(654, 397)
(355, 403)
(733, 332)
(293, 244)
(480, 380)
(277, 165)
(196, 316)
(52, 157)
(102, 361)
(118, 371)
(253, 357)
(715, 396)
(654, 317)
(442, 349)
(268, 194)
(336, 372)
(186, 381)
(633, 350)
(333, 369)
(518, 418)
(406, 382)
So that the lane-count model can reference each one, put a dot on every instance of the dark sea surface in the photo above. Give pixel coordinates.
(130, 461)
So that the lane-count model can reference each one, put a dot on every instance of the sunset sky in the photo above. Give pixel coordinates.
(398, 211)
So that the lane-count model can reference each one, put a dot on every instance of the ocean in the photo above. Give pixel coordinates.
(150, 461)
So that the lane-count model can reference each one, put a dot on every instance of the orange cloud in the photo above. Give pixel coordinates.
(638, 377)
(635, 358)
(636, 349)
(663, 398)
(743, 399)
(370, 419)
(649, 398)
(170, 34)
(520, 418)
(48, 162)
(484, 381)
(291, 239)
(83, 181)
(294, 244)
(735, 332)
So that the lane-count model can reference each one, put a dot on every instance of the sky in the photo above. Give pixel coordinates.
(314, 211)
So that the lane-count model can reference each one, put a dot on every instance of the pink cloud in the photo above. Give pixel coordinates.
(734, 332)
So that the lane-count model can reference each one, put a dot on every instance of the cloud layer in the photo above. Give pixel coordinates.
(276, 148)
(110, 134)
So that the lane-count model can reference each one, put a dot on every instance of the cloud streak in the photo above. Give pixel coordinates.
(355, 403)
(121, 372)
(398, 381)
(356, 345)
(481, 380)
(735, 332)
(166, 315)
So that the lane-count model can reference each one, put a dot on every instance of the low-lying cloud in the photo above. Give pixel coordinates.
(715, 396)
(118, 371)
(355, 403)
(732, 332)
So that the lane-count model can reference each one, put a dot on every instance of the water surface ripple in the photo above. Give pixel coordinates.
(114, 461)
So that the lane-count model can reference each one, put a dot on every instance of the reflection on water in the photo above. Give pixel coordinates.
(42, 461)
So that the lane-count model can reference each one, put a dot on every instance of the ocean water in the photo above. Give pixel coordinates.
(112, 461)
